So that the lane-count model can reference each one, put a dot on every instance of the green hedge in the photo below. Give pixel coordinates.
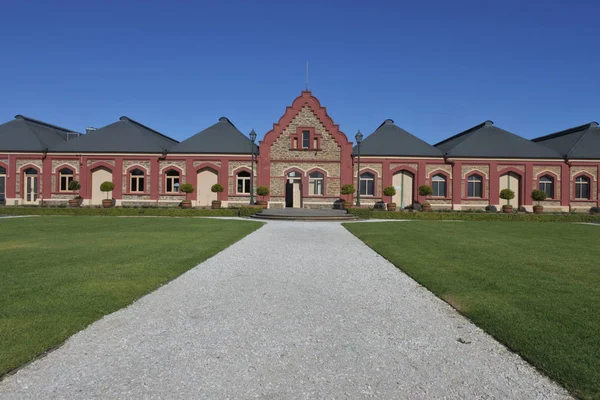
(247, 211)
(366, 213)
(158, 212)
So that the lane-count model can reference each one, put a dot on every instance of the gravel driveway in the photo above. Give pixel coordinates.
(294, 310)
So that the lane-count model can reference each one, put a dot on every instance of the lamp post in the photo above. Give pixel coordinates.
(358, 137)
(252, 138)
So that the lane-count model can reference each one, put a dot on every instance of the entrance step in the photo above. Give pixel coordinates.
(304, 214)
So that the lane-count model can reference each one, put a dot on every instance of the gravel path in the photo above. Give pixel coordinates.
(294, 310)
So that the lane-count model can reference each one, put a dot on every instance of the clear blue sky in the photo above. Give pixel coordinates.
(436, 67)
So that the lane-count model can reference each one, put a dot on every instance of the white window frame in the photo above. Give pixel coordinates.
(315, 183)
(245, 180)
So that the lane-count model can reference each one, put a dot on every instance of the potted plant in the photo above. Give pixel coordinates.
(186, 188)
(390, 191)
(107, 187)
(348, 190)
(262, 191)
(425, 190)
(539, 196)
(507, 194)
(216, 188)
(76, 201)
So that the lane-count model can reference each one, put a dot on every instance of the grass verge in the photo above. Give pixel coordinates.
(60, 274)
(536, 288)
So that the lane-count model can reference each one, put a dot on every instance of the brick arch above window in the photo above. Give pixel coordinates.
(206, 165)
(482, 179)
(296, 169)
(401, 168)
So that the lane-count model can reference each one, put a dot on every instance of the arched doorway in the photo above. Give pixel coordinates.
(99, 175)
(31, 185)
(512, 181)
(207, 177)
(293, 190)
(403, 182)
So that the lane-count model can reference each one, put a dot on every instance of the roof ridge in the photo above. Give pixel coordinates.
(580, 139)
(470, 130)
(565, 131)
(44, 146)
(125, 118)
(476, 127)
(46, 124)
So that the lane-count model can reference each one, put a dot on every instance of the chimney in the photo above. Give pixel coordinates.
(89, 129)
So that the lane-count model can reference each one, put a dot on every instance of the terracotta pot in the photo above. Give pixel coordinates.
(74, 203)
(347, 205)
(507, 209)
(538, 209)
(107, 203)
(186, 204)
(391, 206)
(426, 207)
(262, 203)
(216, 204)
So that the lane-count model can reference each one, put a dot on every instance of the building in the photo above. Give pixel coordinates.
(304, 160)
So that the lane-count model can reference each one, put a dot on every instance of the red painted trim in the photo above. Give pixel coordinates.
(146, 176)
(555, 182)
(305, 188)
(483, 185)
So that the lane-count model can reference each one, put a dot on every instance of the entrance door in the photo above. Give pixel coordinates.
(207, 177)
(31, 186)
(511, 181)
(403, 181)
(98, 176)
(2, 185)
(293, 190)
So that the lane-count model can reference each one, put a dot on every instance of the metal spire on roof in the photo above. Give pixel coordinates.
(307, 75)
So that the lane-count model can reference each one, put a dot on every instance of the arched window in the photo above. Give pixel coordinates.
(438, 184)
(367, 184)
(137, 180)
(172, 181)
(582, 187)
(294, 175)
(65, 176)
(547, 185)
(31, 171)
(315, 183)
(243, 182)
(2, 170)
(475, 186)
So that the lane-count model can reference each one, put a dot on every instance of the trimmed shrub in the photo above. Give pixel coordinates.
(425, 190)
(364, 213)
(538, 195)
(187, 188)
(348, 189)
(216, 188)
(507, 194)
(247, 211)
(491, 208)
(119, 211)
(107, 187)
(74, 185)
(389, 191)
(262, 191)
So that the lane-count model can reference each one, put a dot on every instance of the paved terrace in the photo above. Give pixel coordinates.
(294, 310)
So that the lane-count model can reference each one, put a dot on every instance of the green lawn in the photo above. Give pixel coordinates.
(59, 274)
(535, 287)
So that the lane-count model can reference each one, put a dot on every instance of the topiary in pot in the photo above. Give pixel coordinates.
(262, 191)
(539, 196)
(348, 190)
(425, 190)
(390, 191)
(186, 188)
(216, 188)
(76, 201)
(107, 187)
(507, 194)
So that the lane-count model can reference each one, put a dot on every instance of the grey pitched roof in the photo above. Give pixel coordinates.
(123, 136)
(581, 142)
(28, 134)
(391, 140)
(220, 138)
(486, 141)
